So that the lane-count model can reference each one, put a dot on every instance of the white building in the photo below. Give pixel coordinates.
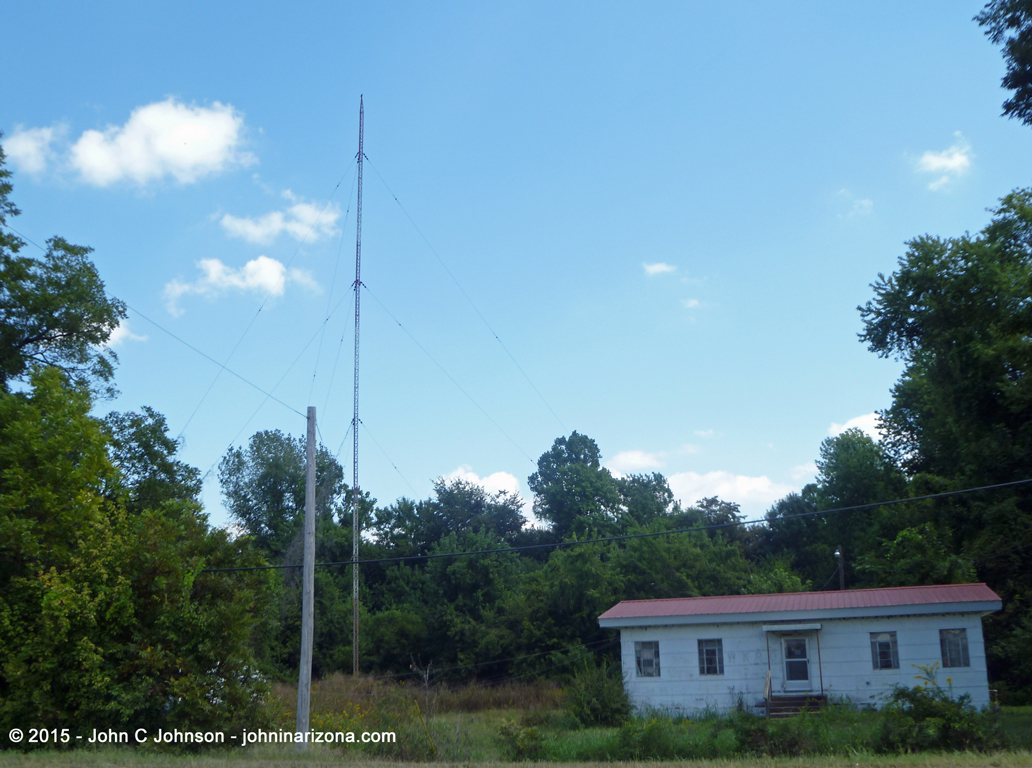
(719, 653)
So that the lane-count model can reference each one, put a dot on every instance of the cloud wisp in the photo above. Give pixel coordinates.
(634, 461)
(164, 139)
(658, 268)
(263, 275)
(301, 220)
(868, 423)
(946, 166)
(30, 150)
(859, 207)
(122, 334)
(493, 483)
(754, 494)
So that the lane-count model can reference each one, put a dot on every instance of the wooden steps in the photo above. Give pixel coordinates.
(789, 706)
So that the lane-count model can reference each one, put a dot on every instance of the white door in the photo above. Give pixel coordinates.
(797, 663)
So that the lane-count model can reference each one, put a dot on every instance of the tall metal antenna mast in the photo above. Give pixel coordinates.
(354, 424)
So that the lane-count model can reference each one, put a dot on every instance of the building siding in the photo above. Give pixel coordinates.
(843, 667)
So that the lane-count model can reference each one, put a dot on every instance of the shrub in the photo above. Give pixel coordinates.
(520, 742)
(653, 739)
(596, 697)
(926, 717)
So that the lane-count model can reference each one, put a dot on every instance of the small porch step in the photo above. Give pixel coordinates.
(788, 706)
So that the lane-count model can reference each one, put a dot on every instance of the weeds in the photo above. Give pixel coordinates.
(927, 717)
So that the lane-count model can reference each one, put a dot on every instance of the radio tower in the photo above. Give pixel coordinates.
(355, 532)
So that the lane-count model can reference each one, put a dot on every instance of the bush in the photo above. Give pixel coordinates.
(520, 742)
(596, 697)
(653, 739)
(926, 717)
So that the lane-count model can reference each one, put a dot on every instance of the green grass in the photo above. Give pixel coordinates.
(466, 727)
(288, 758)
(1017, 726)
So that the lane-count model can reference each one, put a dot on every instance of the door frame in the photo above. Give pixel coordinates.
(796, 685)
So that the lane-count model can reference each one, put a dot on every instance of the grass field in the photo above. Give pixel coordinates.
(287, 757)
(484, 726)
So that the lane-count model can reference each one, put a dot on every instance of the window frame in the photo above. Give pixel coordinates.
(652, 668)
(876, 652)
(947, 638)
(706, 666)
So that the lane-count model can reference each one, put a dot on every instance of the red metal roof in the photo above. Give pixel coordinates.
(802, 601)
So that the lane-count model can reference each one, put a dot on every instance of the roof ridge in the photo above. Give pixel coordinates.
(823, 592)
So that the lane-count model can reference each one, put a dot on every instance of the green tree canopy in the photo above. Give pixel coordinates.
(1009, 22)
(145, 455)
(264, 488)
(107, 619)
(458, 506)
(572, 490)
(958, 312)
(53, 311)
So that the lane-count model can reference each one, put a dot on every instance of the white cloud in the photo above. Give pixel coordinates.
(658, 268)
(30, 148)
(691, 303)
(947, 165)
(165, 138)
(859, 207)
(122, 334)
(868, 423)
(262, 275)
(634, 461)
(689, 448)
(704, 432)
(804, 472)
(494, 483)
(302, 220)
(754, 494)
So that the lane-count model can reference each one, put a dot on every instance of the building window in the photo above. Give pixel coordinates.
(884, 653)
(646, 659)
(711, 657)
(953, 643)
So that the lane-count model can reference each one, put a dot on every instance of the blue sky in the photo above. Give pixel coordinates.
(667, 213)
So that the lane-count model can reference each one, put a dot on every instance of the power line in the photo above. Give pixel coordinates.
(651, 534)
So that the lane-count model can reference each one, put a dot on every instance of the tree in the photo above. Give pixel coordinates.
(645, 497)
(145, 455)
(264, 488)
(573, 491)
(408, 527)
(1010, 22)
(107, 619)
(55, 311)
(958, 312)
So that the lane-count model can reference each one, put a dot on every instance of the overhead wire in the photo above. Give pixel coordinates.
(222, 366)
(329, 298)
(630, 536)
(279, 381)
(445, 372)
(389, 461)
(269, 295)
(465, 295)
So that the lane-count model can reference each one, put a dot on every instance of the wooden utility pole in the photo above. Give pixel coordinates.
(304, 681)
(841, 568)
